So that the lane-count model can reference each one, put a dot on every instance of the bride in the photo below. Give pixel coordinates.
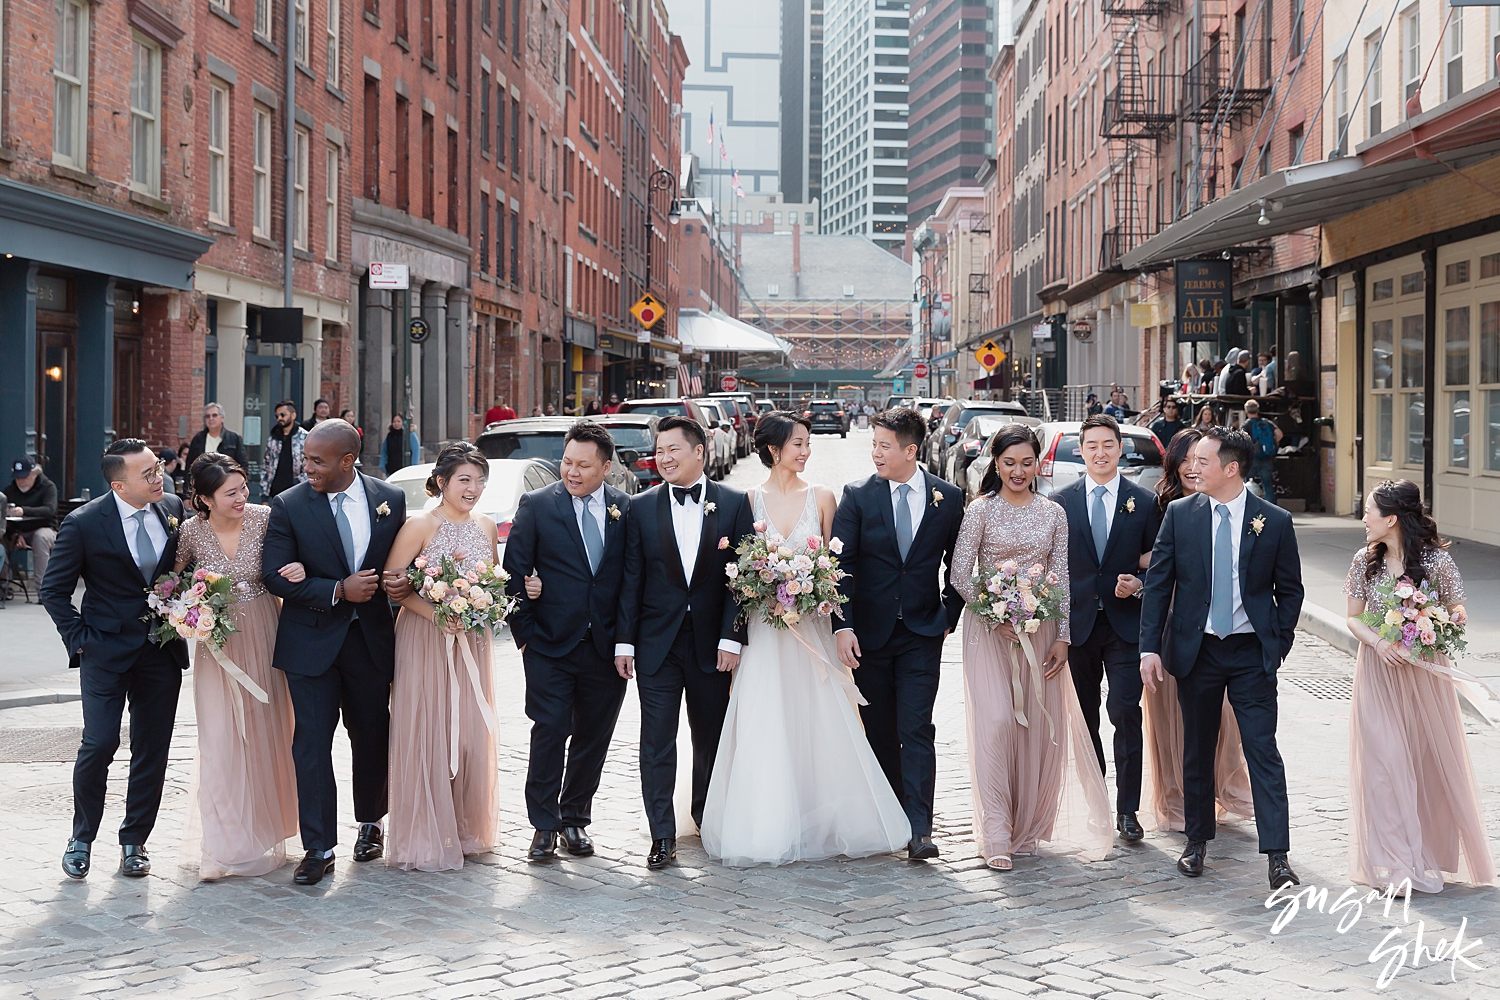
(795, 779)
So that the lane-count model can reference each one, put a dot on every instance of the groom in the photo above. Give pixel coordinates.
(677, 631)
(336, 642)
(898, 529)
(1231, 561)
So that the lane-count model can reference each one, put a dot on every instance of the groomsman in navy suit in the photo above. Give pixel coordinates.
(1112, 522)
(572, 535)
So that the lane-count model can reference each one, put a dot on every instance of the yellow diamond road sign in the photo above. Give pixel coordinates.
(989, 356)
(647, 310)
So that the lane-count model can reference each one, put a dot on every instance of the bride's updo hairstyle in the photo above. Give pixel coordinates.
(1005, 439)
(1419, 532)
(773, 430)
(452, 458)
(209, 472)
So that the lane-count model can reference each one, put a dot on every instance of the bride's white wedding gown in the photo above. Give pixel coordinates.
(795, 779)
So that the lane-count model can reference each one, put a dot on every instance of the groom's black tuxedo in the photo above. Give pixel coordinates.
(1243, 663)
(900, 610)
(338, 658)
(675, 625)
(117, 659)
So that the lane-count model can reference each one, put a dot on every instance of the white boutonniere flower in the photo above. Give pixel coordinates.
(171, 524)
(1130, 505)
(382, 510)
(710, 507)
(1257, 523)
(937, 497)
(614, 512)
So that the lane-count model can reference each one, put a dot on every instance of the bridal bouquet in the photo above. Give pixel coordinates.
(475, 597)
(1417, 620)
(1006, 595)
(784, 583)
(191, 605)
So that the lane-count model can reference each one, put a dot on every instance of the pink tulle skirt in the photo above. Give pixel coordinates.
(1413, 801)
(1037, 788)
(1163, 732)
(437, 816)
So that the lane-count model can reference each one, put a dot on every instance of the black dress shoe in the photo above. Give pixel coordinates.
(134, 861)
(662, 853)
(76, 859)
(312, 868)
(1280, 870)
(921, 849)
(543, 846)
(1191, 862)
(576, 842)
(370, 844)
(1129, 827)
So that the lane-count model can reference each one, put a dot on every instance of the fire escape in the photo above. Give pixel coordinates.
(1138, 113)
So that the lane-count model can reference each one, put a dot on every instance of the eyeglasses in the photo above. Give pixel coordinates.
(156, 473)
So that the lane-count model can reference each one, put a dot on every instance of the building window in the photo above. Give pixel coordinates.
(515, 247)
(403, 31)
(1453, 54)
(70, 68)
(403, 153)
(299, 32)
(453, 180)
(1294, 44)
(301, 152)
(515, 136)
(1294, 139)
(515, 30)
(218, 153)
(1382, 370)
(145, 127)
(1494, 16)
(500, 128)
(484, 233)
(263, 18)
(261, 225)
(429, 42)
(499, 236)
(1489, 379)
(1456, 339)
(1341, 107)
(429, 168)
(451, 39)
(333, 68)
(331, 203)
(372, 139)
(484, 111)
(1411, 54)
(1373, 53)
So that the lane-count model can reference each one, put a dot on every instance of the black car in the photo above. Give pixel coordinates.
(828, 416)
(542, 437)
(635, 440)
(935, 450)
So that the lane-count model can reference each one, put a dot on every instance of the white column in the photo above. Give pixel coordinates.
(231, 392)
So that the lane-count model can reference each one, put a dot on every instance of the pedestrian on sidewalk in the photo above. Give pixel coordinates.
(1414, 809)
(1266, 437)
(118, 544)
(1166, 426)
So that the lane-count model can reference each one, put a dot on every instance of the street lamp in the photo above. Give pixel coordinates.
(922, 297)
(660, 180)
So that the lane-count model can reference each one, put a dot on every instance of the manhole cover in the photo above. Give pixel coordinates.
(54, 743)
(1326, 688)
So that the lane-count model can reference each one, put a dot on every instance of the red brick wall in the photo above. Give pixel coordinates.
(172, 333)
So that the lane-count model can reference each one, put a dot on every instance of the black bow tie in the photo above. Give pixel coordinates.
(681, 493)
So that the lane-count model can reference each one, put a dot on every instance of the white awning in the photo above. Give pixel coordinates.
(718, 331)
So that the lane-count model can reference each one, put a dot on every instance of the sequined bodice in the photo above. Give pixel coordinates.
(198, 546)
(465, 543)
(808, 524)
(994, 531)
(1438, 567)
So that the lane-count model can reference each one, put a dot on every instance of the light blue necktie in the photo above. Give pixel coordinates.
(903, 520)
(1098, 520)
(144, 550)
(1221, 611)
(593, 544)
(346, 533)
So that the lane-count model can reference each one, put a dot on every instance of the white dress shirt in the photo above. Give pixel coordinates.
(1236, 532)
(916, 502)
(687, 528)
(357, 510)
(1111, 501)
(154, 529)
(595, 509)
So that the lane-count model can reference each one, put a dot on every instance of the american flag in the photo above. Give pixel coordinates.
(688, 383)
(710, 128)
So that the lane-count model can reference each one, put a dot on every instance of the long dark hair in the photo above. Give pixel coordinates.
(1005, 439)
(1171, 487)
(1419, 532)
(209, 472)
(450, 460)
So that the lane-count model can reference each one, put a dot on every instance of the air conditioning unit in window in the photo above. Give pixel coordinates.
(773, 290)
(848, 291)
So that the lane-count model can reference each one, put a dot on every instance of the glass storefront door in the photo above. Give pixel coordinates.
(269, 378)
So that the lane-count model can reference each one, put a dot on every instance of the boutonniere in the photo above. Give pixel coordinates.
(171, 524)
(937, 497)
(614, 512)
(1130, 505)
(710, 507)
(382, 510)
(1257, 523)
(723, 543)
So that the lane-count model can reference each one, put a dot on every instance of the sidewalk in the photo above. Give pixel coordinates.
(1327, 543)
(33, 665)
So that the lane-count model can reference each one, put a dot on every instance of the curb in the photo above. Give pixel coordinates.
(23, 699)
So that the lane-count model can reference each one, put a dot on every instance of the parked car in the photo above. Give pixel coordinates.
(749, 410)
(508, 479)
(1062, 458)
(895, 401)
(936, 448)
(972, 441)
(764, 406)
(930, 409)
(828, 415)
(734, 408)
(635, 440)
(542, 438)
(721, 436)
(669, 407)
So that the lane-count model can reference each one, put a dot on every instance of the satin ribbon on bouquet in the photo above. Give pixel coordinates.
(454, 698)
(1479, 692)
(841, 674)
(243, 680)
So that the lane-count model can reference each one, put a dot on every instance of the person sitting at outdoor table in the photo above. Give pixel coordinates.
(30, 514)
(1237, 382)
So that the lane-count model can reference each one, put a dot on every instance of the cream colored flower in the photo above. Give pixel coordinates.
(937, 497)
(1394, 617)
(614, 512)
(1032, 624)
(1257, 523)
(382, 510)
(1130, 505)
(710, 507)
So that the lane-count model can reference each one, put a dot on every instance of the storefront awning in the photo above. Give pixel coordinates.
(718, 331)
(1433, 144)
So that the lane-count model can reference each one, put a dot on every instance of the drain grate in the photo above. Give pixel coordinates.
(1326, 688)
(53, 743)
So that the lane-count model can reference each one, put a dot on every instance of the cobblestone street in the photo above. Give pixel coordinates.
(606, 927)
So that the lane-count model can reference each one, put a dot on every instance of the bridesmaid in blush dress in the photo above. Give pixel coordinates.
(247, 787)
(1031, 796)
(1163, 715)
(1414, 809)
(443, 798)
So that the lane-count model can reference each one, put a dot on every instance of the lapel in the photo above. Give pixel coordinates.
(881, 489)
(708, 536)
(1248, 538)
(322, 512)
(928, 515)
(612, 527)
(161, 557)
(668, 546)
(115, 529)
(372, 500)
(1117, 528)
(1074, 500)
(1203, 529)
(564, 501)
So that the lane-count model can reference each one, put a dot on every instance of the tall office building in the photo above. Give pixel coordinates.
(952, 126)
(864, 120)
